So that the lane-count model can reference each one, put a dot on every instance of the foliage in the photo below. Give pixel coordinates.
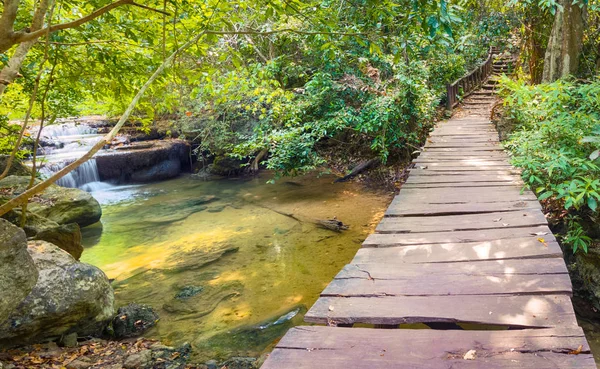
(553, 143)
(374, 70)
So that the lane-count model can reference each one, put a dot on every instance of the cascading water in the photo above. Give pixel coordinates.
(64, 143)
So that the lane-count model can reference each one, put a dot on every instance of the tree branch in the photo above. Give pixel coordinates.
(151, 9)
(24, 196)
(9, 15)
(283, 30)
(23, 36)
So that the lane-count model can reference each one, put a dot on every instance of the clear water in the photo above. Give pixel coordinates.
(255, 270)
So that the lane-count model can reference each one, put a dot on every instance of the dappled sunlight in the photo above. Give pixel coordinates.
(483, 251)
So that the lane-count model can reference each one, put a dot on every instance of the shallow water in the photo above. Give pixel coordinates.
(229, 265)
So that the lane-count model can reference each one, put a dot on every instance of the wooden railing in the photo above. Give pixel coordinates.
(470, 82)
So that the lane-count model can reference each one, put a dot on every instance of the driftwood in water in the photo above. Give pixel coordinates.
(359, 169)
(332, 224)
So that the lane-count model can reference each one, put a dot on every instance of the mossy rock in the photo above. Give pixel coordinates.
(16, 169)
(59, 204)
(67, 236)
(226, 166)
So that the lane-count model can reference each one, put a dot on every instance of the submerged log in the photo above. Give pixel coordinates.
(332, 224)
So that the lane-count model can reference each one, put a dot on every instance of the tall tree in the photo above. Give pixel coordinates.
(566, 40)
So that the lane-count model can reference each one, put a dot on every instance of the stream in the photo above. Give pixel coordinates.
(220, 261)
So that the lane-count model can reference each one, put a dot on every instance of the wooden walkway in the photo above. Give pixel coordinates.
(462, 250)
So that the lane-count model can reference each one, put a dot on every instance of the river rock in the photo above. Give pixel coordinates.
(225, 166)
(16, 169)
(67, 237)
(133, 320)
(239, 363)
(144, 161)
(142, 359)
(69, 297)
(59, 204)
(18, 274)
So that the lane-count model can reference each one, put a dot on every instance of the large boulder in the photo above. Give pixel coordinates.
(143, 161)
(59, 204)
(16, 169)
(67, 237)
(69, 297)
(18, 274)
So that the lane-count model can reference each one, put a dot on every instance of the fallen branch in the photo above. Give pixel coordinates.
(359, 169)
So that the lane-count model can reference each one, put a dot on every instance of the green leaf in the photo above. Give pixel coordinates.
(592, 203)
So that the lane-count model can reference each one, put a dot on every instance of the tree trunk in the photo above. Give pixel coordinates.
(566, 42)
(10, 72)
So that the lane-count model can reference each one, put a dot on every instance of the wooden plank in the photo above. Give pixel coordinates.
(432, 238)
(473, 162)
(540, 311)
(466, 222)
(314, 347)
(463, 184)
(451, 285)
(436, 171)
(415, 209)
(479, 177)
(481, 155)
(505, 249)
(465, 131)
(458, 148)
(483, 268)
(454, 158)
(373, 280)
(452, 141)
(411, 196)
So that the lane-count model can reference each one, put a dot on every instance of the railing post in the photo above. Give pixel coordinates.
(449, 101)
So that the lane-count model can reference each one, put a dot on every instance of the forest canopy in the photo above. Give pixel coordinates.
(293, 85)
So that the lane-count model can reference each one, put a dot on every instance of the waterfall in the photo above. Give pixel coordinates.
(82, 175)
(65, 143)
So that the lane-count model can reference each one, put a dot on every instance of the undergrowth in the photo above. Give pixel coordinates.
(556, 142)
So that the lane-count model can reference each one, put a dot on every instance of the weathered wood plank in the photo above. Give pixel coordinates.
(432, 238)
(462, 184)
(477, 162)
(466, 222)
(375, 280)
(482, 155)
(505, 249)
(436, 171)
(483, 268)
(457, 148)
(360, 348)
(470, 167)
(514, 311)
(413, 209)
(466, 131)
(497, 156)
(460, 195)
(451, 285)
(449, 178)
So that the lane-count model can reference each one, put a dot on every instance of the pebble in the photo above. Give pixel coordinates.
(70, 340)
(139, 360)
(78, 364)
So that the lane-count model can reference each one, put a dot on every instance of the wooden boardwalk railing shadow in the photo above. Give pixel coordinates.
(462, 249)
